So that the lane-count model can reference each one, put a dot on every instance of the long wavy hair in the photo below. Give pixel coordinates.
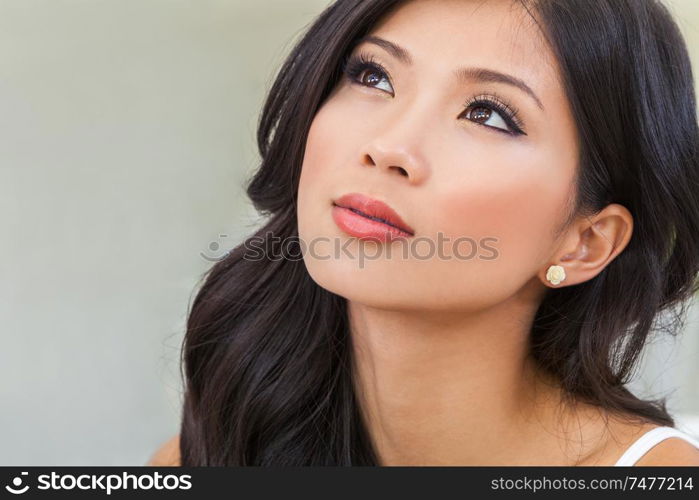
(267, 360)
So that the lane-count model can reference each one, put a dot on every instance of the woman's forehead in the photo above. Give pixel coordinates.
(498, 35)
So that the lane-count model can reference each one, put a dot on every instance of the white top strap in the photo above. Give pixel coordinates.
(643, 444)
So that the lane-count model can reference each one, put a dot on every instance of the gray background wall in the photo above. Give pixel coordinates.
(126, 132)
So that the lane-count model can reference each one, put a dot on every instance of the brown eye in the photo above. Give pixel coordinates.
(487, 116)
(362, 70)
(480, 114)
(373, 77)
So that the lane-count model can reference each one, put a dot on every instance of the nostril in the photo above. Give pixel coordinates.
(402, 171)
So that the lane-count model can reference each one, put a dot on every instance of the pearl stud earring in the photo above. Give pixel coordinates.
(555, 274)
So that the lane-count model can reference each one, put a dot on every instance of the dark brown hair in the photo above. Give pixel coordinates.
(267, 358)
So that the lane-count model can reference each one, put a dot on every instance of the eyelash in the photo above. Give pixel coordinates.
(356, 64)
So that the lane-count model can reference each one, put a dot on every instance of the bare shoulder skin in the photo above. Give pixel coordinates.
(168, 454)
(669, 452)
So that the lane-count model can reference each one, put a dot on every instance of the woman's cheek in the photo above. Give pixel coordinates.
(321, 171)
(515, 218)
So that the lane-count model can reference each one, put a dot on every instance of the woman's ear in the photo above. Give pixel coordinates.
(589, 246)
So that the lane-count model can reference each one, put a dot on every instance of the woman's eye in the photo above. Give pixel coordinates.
(488, 117)
(370, 77)
(483, 109)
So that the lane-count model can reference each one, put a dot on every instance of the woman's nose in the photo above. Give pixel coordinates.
(398, 145)
(395, 159)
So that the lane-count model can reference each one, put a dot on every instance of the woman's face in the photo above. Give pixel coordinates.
(483, 204)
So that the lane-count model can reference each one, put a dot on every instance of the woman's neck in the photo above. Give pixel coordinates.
(460, 389)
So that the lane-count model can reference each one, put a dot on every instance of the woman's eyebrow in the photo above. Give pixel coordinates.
(462, 74)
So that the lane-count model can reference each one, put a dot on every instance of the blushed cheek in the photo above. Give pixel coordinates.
(517, 217)
(331, 145)
(321, 158)
(308, 200)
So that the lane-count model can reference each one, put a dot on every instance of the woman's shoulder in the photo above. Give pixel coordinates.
(168, 454)
(671, 450)
(627, 442)
(651, 444)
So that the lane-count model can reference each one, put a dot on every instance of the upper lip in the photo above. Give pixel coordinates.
(373, 208)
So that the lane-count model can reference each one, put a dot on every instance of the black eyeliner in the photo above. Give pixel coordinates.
(355, 64)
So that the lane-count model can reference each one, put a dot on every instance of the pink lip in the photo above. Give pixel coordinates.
(364, 225)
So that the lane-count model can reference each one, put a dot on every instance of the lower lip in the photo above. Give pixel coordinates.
(364, 228)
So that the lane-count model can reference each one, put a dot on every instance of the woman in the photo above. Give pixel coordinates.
(479, 212)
